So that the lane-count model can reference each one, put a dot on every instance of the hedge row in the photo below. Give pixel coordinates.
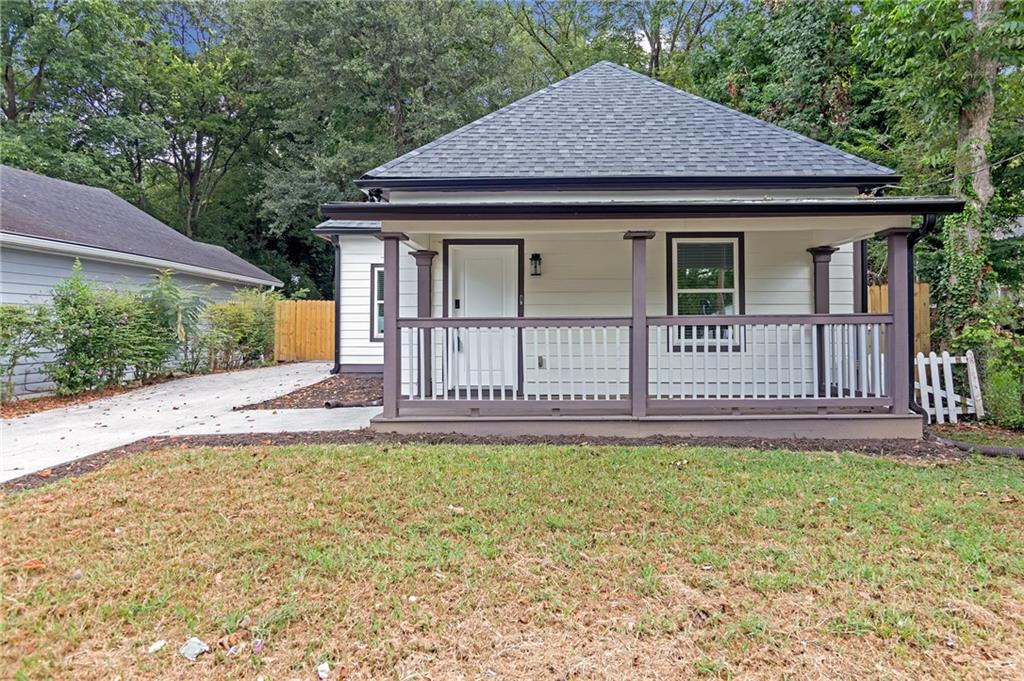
(101, 337)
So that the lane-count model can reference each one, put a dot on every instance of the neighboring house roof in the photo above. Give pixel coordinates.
(46, 208)
(606, 122)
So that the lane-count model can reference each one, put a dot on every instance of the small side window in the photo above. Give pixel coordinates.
(377, 302)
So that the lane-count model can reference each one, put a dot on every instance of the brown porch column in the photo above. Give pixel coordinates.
(424, 262)
(898, 341)
(638, 331)
(822, 257)
(392, 370)
(860, 270)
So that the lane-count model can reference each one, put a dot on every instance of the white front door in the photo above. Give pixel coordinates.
(484, 282)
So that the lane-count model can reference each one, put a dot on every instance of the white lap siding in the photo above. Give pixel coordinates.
(589, 275)
(358, 255)
(28, 277)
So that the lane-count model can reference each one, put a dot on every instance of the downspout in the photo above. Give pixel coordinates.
(336, 242)
(928, 225)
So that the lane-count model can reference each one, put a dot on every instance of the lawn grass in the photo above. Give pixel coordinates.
(518, 562)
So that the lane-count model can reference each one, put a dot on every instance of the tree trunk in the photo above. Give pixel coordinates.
(973, 127)
(972, 175)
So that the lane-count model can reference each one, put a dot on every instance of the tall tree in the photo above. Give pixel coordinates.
(940, 67)
(673, 31)
(209, 111)
(570, 35)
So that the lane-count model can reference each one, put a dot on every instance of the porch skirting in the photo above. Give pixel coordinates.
(769, 426)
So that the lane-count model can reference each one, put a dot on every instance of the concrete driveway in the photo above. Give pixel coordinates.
(197, 405)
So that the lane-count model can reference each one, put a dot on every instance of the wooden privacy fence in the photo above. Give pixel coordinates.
(878, 301)
(937, 379)
(304, 330)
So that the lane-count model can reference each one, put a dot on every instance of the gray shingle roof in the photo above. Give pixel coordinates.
(44, 207)
(609, 121)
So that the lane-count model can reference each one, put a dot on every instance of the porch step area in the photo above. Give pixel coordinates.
(771, 426)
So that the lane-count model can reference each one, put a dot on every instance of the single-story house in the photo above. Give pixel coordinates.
(46, 224)
(611, 255)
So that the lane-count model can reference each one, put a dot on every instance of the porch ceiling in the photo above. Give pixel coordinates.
(598, 210)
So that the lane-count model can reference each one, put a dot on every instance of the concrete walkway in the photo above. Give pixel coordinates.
(190, 406)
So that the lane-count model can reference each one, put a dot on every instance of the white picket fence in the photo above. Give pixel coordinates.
(937, 390)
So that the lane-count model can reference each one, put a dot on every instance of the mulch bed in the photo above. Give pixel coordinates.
(346, 390)
(921, 450)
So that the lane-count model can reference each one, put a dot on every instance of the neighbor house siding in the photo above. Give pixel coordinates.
(28, 277)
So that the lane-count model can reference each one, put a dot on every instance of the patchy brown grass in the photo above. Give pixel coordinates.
(980, 433)
(402, 561)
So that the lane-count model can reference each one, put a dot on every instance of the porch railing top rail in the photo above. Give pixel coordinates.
(660, 320)
(509, 322)
(725, 320)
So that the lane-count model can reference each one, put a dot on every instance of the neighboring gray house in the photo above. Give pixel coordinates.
(45, 224)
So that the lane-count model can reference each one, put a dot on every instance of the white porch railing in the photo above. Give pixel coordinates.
(562, 365)
(766, 357)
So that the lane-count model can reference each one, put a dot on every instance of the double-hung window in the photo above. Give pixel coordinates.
(376, 302)
(705, 276)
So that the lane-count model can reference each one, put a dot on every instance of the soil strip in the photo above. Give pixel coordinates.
(342, 390)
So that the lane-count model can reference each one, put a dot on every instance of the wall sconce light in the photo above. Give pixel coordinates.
(535, 265)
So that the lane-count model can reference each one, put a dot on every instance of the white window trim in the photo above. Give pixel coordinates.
(735, 290)
(376, 312)
(723, 335)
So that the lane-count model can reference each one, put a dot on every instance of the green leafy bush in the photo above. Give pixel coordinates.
(240, 332)
(24, 331)
(997, 340)
(177, 314)
(100, 335)
(1003, 398)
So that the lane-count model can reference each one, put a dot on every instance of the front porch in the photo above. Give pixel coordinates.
(732, 369)
(818, 374)
(814, 375)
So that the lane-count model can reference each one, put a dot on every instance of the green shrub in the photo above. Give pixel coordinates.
(240, 332)
(24, 331)
(177, 313)
(1003, 397)
(997, 340)
(99, 336)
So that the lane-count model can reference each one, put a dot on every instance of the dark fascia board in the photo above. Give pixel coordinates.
(649, 209)
(862, 182)
(328, 232)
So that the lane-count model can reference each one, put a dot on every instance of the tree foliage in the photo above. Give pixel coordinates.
(234, 121)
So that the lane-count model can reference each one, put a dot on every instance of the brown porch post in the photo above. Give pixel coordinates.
(898, 342)
(392, 370)
(638, 360)
(860, 269)
(424, 262)
(822, 257)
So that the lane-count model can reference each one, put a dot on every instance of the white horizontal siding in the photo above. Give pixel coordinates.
(28, 277)
(590, 275)
(358, 254)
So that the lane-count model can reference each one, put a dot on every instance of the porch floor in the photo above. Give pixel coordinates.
(814, 426)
